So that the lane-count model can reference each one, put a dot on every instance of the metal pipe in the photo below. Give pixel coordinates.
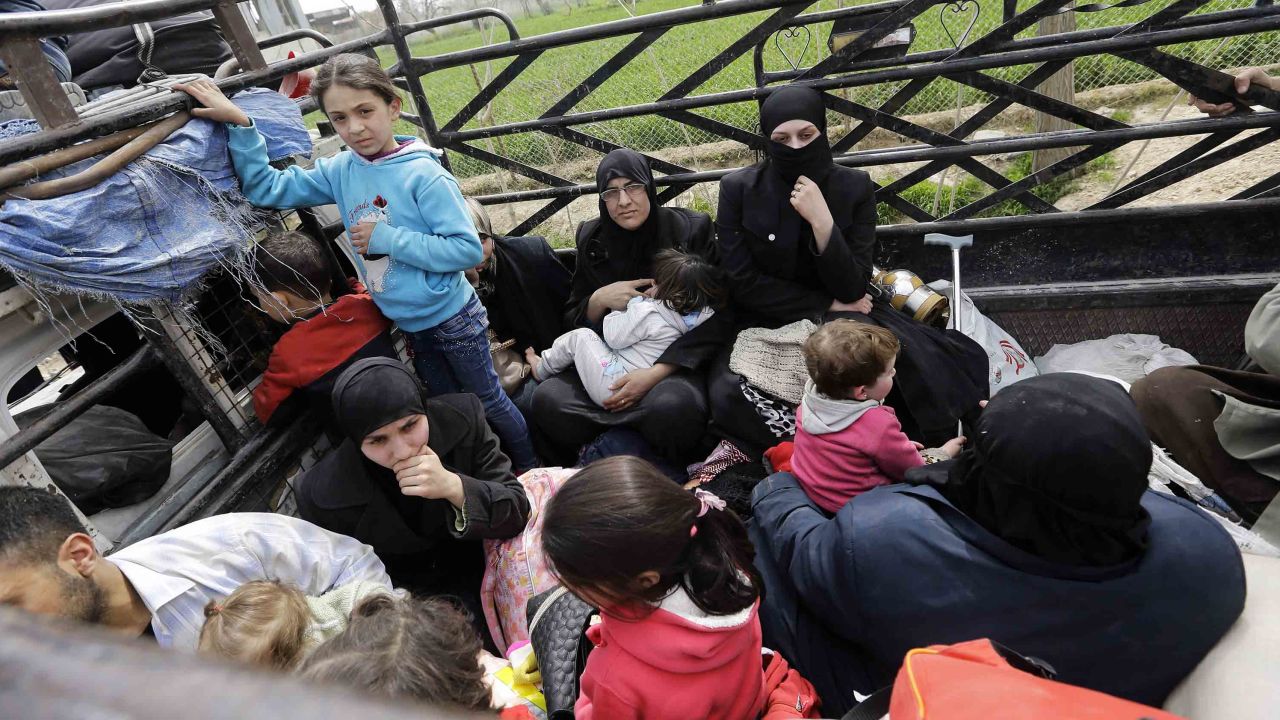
(915, 153)
(1078, 217)
(427, 120)
(1037, 41)
(28, 145)
(104, 168)
(67, 410)
(75, 20)
(939, 69)
(231, 66)
(25, 170)
(626, 26)
(453, 18)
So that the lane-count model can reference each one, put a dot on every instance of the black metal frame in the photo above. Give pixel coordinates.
(996, 49)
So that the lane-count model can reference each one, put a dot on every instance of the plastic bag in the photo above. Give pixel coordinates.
(1127, 356)
(1007, 361)
(104, 458)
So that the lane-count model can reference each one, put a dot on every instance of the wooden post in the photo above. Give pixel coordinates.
(1060, 86)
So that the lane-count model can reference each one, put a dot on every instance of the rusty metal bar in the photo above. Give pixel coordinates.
(238, 35)
(39, 86)
(105, 167)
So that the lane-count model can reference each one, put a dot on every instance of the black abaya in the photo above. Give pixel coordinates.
(673, 415)
(778, 277)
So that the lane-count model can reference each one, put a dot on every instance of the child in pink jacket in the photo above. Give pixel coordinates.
(847, 440)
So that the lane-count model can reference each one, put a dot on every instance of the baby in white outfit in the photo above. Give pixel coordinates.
(686, 288)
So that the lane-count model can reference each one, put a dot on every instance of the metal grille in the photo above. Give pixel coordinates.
(1214, 334)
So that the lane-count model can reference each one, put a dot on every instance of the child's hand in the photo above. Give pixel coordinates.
(360, 236)
(953, 446)
(917, 446)
(216, 105)
(424, 476)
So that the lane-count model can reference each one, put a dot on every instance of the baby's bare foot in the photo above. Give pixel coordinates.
(534, 361)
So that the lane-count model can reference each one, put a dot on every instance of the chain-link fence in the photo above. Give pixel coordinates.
(684, 49)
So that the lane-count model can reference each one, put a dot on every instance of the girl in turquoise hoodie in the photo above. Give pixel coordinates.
(406, 219)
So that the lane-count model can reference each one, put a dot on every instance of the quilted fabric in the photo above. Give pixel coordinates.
(557, 627)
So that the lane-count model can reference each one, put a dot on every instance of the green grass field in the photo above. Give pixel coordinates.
(684, 49)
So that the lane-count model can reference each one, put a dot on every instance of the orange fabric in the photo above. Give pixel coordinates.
(788, 694)
(971, 681)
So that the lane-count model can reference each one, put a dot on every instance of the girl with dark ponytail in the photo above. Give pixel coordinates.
(673, 577)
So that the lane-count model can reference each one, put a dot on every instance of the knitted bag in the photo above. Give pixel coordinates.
(771, 359)
(515, 569)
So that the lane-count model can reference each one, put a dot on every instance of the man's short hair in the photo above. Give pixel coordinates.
(295, 263)
(844, 354)
(34, 523)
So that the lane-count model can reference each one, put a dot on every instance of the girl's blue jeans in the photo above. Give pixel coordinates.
(454, 357)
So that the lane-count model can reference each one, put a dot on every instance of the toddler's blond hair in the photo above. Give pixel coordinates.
(263, 622)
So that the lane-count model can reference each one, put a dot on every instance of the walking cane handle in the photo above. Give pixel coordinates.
(955, 242)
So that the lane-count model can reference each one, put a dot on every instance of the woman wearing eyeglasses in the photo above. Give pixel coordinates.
(667, 403)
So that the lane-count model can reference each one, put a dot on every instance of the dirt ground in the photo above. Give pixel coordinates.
(1139, 103)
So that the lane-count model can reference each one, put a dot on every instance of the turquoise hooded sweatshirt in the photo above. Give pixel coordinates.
(423, 226)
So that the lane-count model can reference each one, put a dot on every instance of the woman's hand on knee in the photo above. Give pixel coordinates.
(631, 388)
(424, 476)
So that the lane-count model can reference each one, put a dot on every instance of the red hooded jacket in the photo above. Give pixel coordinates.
(677, 662)
(314, 350)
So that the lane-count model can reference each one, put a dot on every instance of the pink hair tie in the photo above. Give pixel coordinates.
(707, 500)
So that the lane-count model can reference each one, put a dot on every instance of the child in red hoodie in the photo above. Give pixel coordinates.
(847, 440)
(672, 575)
(293, 286)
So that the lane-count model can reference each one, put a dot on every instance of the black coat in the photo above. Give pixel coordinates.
(417, 538)
(530, 289)
(188, 43)
(776, 276)
(679, 229)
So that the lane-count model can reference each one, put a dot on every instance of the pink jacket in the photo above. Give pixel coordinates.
(677, 662)
(835, 461)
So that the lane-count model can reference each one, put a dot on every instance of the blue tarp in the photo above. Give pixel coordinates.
(152, 230)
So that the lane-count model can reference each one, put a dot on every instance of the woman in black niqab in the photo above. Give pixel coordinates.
(1057, 466)
(797, 238)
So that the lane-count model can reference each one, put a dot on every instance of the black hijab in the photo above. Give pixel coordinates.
(796, 102)
(1057, 466)
(628, 248)
(374, 392)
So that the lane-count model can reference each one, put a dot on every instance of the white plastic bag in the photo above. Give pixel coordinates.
(1007, 361)
(1127, 356)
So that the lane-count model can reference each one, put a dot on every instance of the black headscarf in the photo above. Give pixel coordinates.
(796, 102)
(628, 248)
(374, 392)
(1057, 466)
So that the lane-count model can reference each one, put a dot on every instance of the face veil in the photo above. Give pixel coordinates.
(796, 103)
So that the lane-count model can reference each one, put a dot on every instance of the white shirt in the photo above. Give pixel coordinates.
(177, 573)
